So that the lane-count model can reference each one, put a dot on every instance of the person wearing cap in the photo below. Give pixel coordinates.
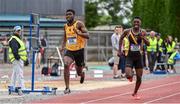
(17, 56)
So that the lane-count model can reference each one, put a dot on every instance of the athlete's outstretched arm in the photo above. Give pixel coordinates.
(81, 30)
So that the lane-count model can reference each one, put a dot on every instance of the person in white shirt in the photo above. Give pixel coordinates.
(115, 44)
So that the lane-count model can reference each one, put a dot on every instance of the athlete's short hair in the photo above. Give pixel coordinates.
(71, 10)
(137, 17)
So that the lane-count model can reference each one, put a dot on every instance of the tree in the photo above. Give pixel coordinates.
(113, 8)
(102, 12)
(177, 18)
(92, 18)
(117, 9)
(159, 15)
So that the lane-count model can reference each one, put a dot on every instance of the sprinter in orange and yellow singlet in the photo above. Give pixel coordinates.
(75, 36)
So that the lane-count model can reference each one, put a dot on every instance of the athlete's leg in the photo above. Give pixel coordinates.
(128, 69)
(139, 72)
(67, 62)
(80, 64)
(80, 73)
(79, 70)
(79, 61)
(129, 73)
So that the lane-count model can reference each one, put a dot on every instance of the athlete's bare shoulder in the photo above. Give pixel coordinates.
(80, 24)
(126, 31)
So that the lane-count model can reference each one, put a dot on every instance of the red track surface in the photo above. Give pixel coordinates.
(165, 90)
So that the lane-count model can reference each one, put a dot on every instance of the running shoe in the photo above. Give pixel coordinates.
(130, 79)
(67, 91)
(82, 78)
(136, 97)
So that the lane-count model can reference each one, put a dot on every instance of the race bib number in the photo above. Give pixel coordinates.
(72, 40)
(135, 47)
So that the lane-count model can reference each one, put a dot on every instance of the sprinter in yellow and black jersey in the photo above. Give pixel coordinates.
(74, 42)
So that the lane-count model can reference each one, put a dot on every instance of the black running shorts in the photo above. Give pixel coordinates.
(77, 56)
(134, 60)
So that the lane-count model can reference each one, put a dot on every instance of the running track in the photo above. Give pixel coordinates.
(165, 90)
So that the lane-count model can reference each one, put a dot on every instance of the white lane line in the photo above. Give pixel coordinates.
(162, 98)
(90, 101)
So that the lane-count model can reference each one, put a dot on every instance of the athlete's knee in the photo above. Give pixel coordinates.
(66, 64)
(66, 72)
(128, 72)
(66, 69)
(67, 61)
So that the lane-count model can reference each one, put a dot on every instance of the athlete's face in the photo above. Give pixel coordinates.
(136, 23)
(69, 17)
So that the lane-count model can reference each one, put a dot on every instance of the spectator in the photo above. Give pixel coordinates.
(115, 45)
(40, 55)
(160, 51)
(17, 55)
(170, 47)
(152, 50)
